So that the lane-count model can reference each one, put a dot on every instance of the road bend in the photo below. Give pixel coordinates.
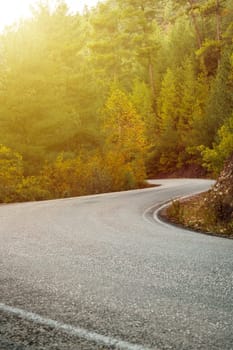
(98, 272)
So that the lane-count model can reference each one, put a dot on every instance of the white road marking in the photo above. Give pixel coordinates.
(149, 210)
(167, 204)
(158, 207)
(155, 209)
(156, 215)
(71, 330)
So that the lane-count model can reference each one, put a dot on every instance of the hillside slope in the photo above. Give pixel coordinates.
(210, 212)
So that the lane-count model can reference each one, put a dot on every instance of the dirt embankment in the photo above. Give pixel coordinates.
(210, 212)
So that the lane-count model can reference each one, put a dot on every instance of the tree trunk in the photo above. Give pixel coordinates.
(194, 20)
(151, 78)
(218, 21)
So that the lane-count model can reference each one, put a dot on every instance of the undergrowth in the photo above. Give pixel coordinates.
(200, 214)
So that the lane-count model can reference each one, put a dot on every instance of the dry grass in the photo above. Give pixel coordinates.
(197, 213)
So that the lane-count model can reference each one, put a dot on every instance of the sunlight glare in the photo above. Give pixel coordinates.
(13, 10)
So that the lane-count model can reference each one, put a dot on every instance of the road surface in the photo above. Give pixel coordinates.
(98, 272)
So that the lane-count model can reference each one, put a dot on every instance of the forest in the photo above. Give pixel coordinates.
(100, 101)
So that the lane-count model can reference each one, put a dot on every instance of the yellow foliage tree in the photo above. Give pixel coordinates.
(124, 127)
(11, 173)
(125, 137)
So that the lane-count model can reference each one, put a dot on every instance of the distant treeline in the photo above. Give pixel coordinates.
(96, 102)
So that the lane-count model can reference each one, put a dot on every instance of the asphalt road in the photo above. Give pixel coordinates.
(98, 272)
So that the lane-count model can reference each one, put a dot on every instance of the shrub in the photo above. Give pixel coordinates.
(11, 173)
(32, 188)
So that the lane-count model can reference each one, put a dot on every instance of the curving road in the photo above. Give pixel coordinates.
(98, 272)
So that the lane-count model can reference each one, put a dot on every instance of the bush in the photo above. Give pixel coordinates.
(11, 173)
(214, 158)
(32, 188)
(175, 211)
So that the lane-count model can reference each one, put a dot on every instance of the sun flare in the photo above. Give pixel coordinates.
(13, 10)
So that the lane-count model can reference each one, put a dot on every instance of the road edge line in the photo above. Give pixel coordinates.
(156, 216)
(72, 330)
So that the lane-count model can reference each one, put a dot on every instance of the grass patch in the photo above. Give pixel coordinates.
(200, 214)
